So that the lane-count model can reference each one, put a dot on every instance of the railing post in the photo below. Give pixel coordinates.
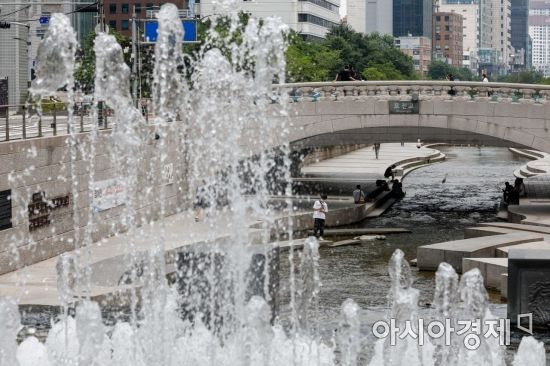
(81, 116)
(24, 126)
(40, 126)
(105, 118)
(54, 124)
(7, 123)
(68, 120)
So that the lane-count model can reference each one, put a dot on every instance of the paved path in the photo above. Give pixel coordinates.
(362, 163)
(37, 283)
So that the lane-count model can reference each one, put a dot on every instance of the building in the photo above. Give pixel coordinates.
(368, 16)
(539, 31)
(470, 22)
(310, 18)
(501, 38)
(419, 48)
(519, 31)
(412, 17)
(118, 13)
(447, 38)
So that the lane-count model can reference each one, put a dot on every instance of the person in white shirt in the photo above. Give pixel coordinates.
(319, 209)
(485, 80)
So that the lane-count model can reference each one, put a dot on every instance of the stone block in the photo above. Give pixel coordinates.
(398, 120)
(528, 286)
(504, 286)
(430, 256)
(375, 120)
(346, 123)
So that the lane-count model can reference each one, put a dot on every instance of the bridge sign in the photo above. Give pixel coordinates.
(403, 107)
(44, 20)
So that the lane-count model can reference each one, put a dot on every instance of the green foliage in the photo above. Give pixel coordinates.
(308, 61)
(524, 77)
(373, 55)
(385, 71)
(439, 70)
(85, 73)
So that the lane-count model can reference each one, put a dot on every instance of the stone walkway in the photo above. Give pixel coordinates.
(362, 163)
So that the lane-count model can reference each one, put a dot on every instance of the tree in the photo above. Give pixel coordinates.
(385, 71)
(439, 70)
(85, 73)
(308, 61)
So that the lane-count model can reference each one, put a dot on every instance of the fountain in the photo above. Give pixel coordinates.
(217, 131)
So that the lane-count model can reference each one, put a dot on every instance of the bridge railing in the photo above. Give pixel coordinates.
(22, 121)
(423, 89)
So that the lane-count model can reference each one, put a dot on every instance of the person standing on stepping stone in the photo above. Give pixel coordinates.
(319, 209)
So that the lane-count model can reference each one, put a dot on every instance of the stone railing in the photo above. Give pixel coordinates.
(421, 89)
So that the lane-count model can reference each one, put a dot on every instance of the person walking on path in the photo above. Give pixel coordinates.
(376, 149)
(320, 208)
(506, 192)
(358, 195)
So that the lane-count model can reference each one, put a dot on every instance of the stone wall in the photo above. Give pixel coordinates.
(42, 165)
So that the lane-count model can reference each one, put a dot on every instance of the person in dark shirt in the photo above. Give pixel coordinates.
(345, 75)
(389, 172)
(507, 189)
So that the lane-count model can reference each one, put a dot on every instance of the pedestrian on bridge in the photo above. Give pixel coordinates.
(320, 208)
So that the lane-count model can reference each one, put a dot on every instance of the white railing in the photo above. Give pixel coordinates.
(421, 89)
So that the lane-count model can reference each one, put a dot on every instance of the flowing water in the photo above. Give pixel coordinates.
(220, 311)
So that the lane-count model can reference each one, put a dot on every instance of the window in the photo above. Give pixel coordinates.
(446, 18)
(437, 37)
(447, 37)
(447, 28)
(324, 3)
(437, 18)
(309, 18)
(149, 6)
(124, 8)
(112, 8)
(138, 8)
(125, 25)
(112, 24)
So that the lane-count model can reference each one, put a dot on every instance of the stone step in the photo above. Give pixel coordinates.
(343, 243)
(502, 252)
(490, 268)
(430, 256)
(363, 231)
(520, 227)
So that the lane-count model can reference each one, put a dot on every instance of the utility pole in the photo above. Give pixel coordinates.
(134, 57)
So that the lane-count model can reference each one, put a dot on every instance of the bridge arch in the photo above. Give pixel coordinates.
(477, 113)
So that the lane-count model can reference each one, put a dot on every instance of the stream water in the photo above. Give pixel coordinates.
(434, 212)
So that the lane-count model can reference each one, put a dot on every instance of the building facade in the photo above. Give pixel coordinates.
(470, 29)
(501, 26)
(118, 13)
(419, 48)
(310, 18)
(447, 38)
(412, 18)
(368, 16)
(519, 31)
(539, 31)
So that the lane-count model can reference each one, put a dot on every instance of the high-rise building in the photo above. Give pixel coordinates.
(470, 27)
(412, 18)
(501, 27)
(310, 18)
(447, 38)
(539, 31)
(368, 16)
(118, 13)
(420, 50)
(519, 30)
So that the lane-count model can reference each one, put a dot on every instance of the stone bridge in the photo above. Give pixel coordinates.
(498, 114)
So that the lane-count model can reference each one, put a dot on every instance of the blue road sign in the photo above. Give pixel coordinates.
(189, 30)
(44, 20)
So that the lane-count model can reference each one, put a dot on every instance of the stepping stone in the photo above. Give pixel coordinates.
(362, 231)
(430, 256)
(490, 268)
(344, 243)
(502, 252)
